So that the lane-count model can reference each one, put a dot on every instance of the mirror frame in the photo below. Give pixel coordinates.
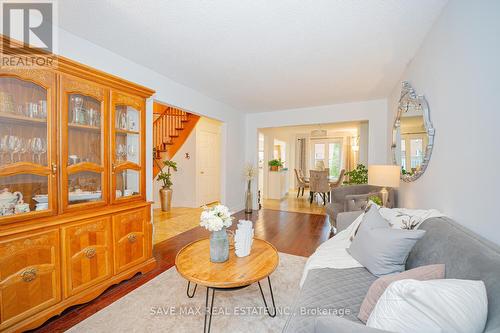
(408, 100)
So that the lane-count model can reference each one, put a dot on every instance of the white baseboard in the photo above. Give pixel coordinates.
(235, 209)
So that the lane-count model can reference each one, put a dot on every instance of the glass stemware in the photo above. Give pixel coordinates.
(13, 146)
(93, 117)
(4, 147)
(21, 148)
(36, 148)
(120, 152)
(77, 109)
(43, 149)
(131, 150)
(123, 120)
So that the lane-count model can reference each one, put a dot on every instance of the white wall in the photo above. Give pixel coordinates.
(170, 92)
(184, 180)
(375, 112)
(363, 143)
(458, 69)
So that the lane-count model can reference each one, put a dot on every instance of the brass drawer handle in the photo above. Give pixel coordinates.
(132, 238)
(89, 252)
(29, 274)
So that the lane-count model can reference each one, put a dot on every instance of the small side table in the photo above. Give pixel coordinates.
(193, 263)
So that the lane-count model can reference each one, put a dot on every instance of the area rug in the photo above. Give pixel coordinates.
(161, 305)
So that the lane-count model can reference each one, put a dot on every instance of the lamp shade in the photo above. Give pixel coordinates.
(384, 175)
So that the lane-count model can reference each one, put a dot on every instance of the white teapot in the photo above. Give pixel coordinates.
(8, 199)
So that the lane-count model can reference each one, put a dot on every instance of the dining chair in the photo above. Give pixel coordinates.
(318, 184)
(339, 180)
(301, 183)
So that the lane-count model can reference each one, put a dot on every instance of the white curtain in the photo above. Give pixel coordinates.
(301, 149)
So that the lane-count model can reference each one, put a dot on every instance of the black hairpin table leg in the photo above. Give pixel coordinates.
(208, 311)
(272, 298)
(194, 290)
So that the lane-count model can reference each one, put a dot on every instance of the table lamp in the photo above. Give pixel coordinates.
(385, 176)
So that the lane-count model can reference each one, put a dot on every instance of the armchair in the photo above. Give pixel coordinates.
(351, 198)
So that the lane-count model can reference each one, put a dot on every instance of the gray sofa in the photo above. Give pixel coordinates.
(353, 198)
(340, 292)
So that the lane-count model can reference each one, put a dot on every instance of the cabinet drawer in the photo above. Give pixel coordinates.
(129, 230)
(29, 275)
(87, 254)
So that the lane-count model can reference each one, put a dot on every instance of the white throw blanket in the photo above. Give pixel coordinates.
(333, 253)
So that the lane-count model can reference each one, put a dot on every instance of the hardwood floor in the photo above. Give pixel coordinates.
(175, 222)
(292, 233)
(292, 203)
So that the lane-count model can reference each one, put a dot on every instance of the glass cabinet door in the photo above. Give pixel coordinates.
(83, 158)
(126, 151)
(27, 145)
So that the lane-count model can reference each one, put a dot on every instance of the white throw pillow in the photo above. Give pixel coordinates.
(442, 306)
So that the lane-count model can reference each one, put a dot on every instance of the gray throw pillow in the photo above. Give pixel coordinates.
(371, 219)
(382, 250)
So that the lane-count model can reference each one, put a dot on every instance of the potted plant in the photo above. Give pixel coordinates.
(275, 164)
(357, 176)
(166, 190)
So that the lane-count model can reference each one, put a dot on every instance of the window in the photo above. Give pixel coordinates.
(327, 154)
(416, 155)
(279, 152)
(403, 154)
(334, 159)
(412, 152)
(319, 154)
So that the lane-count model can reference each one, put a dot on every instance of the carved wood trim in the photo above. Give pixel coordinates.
(79, 86)
(85, 166)
(91, 227)
(25, 244)
(121, 99)
(132, 217)
(24, 168)
(127, 166)
(40, 77)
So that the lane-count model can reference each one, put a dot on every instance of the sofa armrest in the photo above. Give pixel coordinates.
(345, 219)
(334, 324)
(356, 202)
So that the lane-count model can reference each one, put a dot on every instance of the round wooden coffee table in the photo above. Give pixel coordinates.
(193, 263)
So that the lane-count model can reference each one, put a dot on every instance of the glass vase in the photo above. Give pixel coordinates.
(219, 246)
(248, 199)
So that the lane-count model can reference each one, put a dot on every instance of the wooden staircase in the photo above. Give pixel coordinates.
(171, 128)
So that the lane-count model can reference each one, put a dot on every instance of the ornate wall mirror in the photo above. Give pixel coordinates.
(412, 134)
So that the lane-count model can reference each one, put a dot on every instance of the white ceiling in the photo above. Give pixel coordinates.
(261, 55)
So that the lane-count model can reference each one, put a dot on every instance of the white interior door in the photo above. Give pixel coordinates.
(208, 151)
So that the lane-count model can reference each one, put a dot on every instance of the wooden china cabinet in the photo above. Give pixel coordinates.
(73, 213)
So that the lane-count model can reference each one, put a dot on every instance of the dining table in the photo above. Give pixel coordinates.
(331, 180)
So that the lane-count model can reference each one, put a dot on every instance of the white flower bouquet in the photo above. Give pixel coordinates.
(216, 218)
